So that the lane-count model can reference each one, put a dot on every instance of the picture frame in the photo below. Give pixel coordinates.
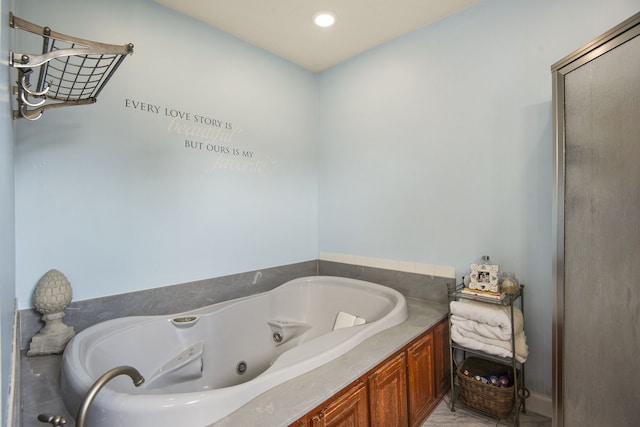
(484, 277)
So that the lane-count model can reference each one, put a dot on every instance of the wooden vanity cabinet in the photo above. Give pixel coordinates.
(350, 409)
(401, 391)
(428, 371)
(388, 393)
(422, 395)
(442, 368)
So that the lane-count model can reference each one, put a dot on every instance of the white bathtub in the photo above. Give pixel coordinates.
(191, 361)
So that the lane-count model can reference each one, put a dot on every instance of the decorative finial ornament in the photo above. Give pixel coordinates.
(52, 295)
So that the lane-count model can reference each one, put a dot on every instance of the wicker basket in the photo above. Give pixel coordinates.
(487, 398)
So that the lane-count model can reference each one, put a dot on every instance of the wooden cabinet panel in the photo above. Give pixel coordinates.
(399, 392)
(388, 394)
(349, 410)
(421, 390)
(442, 368)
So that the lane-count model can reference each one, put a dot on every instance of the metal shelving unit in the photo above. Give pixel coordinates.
(520, 391)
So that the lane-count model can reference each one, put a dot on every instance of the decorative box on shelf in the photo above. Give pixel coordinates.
(484, 275)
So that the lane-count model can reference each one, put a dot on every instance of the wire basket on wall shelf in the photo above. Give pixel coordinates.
(70, 70)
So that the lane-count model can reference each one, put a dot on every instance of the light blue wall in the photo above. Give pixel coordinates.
(112, 196)
(434, 148)
(437, 146)
(7, 238)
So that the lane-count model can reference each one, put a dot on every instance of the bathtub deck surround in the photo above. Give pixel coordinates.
(201, 365)
(279, 406)
(39, 376)
(291, 401)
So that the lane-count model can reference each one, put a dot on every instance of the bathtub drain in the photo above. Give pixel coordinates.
(241, 368)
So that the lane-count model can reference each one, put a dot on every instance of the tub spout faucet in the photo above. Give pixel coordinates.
(136, 377)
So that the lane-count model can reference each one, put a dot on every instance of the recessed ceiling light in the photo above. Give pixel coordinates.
(324, 19)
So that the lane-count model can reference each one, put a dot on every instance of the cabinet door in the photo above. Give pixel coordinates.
(421, 382)
(442, 370)
(388, 394)
(349, 410)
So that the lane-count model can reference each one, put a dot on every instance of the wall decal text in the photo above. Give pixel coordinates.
(203, 133)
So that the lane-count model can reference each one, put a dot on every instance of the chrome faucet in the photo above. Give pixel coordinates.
(136, 377)
(58, 421)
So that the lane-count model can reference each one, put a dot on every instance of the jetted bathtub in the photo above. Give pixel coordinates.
(201, 365)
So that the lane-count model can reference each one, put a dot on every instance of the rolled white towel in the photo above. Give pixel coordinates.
(497, 316)
(495, 332)
(495, 347)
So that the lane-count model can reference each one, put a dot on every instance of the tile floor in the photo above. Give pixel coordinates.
(443, 417)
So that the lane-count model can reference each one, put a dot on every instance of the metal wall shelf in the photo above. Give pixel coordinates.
(70, 70)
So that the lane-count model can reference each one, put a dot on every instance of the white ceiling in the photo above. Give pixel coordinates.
(285, 27)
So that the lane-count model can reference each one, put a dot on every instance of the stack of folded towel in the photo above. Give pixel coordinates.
(487, 328)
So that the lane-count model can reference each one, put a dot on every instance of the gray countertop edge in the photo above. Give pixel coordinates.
(289, 401)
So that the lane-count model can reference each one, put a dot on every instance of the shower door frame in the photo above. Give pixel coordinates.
(615, 37)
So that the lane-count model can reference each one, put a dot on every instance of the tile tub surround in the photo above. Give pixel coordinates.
(167, 299)
(188, 296)
(279, 406)
(412, 285)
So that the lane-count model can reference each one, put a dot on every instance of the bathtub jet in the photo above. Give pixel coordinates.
(204, 364)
